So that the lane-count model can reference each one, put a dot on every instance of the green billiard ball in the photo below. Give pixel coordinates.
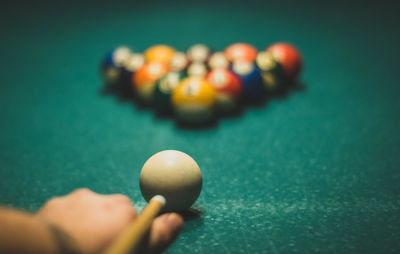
(272, 72)
(164, 88)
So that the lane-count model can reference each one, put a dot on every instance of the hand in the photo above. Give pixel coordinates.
(94, 220)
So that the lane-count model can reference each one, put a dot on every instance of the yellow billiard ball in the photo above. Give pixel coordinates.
(194, 100)
(159, 53)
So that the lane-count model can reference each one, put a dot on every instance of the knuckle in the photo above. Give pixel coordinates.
(82, 191)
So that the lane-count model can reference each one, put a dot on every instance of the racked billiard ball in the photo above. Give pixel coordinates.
(112, 64)
(289, 57)
(197, 69)
(218, 60)
(240, 51)
(179, 62)
(251, 80)
(198, 53)
(227, 86)
(174, 175)
(145, 78)
(271, 71)
(134, 62)
(194, 100)
(159, 53)
(164, 89)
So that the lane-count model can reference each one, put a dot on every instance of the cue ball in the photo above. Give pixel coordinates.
(174, 175)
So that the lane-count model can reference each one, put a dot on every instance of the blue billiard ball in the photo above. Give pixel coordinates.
(112, 64)
(251, 80)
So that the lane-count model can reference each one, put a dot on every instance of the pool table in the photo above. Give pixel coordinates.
(314, 170)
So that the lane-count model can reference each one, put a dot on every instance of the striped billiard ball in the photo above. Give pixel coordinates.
(251, 80)
(240, 51)
(289, 57)
(218, 60)
(198, 53)
(197, 69)
(179, 62)
(112, 64)
(271, 71)
(131, 65)
(164, 88)
(228, 88)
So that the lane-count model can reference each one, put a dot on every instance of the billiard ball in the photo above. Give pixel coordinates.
(164, 89)
(113, 61)
(194, 100)
(198, 53)
(227, 86)
(197, 69)
(145, 78)
(179, 62)
(159, 53)
(131, 65)
(251, 80)
(289, 57)
(240, 51)
(218, 60)
(271, 71)
(174, 175)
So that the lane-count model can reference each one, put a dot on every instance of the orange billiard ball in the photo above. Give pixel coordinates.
(159, 53)
(145, 78)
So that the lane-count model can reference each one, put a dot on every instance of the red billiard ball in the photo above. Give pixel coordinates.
(227, 86)
(240, 51)
(289, 57)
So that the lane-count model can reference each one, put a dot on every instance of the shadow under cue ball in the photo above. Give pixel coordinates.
(174, 175)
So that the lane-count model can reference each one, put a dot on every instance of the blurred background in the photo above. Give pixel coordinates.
(314, 171)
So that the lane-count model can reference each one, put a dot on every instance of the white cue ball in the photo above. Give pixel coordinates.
(174, 175)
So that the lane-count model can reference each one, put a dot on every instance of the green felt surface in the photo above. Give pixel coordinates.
(314, 171)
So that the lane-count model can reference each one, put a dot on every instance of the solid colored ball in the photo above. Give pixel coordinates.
(198, 53)
(218, 60)
(251, 80)
(174, 175)
(145, 79)
(159, 53)
(164, 89)
(193, 100)
(271, 70)
(112, 64)
(227, 86)
(289, 57)
(240, 51)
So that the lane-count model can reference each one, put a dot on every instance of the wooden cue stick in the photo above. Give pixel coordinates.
(130, 238)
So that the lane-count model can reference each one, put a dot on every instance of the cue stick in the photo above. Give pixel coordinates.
(130, 238)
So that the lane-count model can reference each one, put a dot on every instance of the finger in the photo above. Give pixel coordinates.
(120, 202)
(163, 232)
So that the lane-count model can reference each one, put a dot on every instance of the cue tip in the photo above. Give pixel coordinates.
(160, 199)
